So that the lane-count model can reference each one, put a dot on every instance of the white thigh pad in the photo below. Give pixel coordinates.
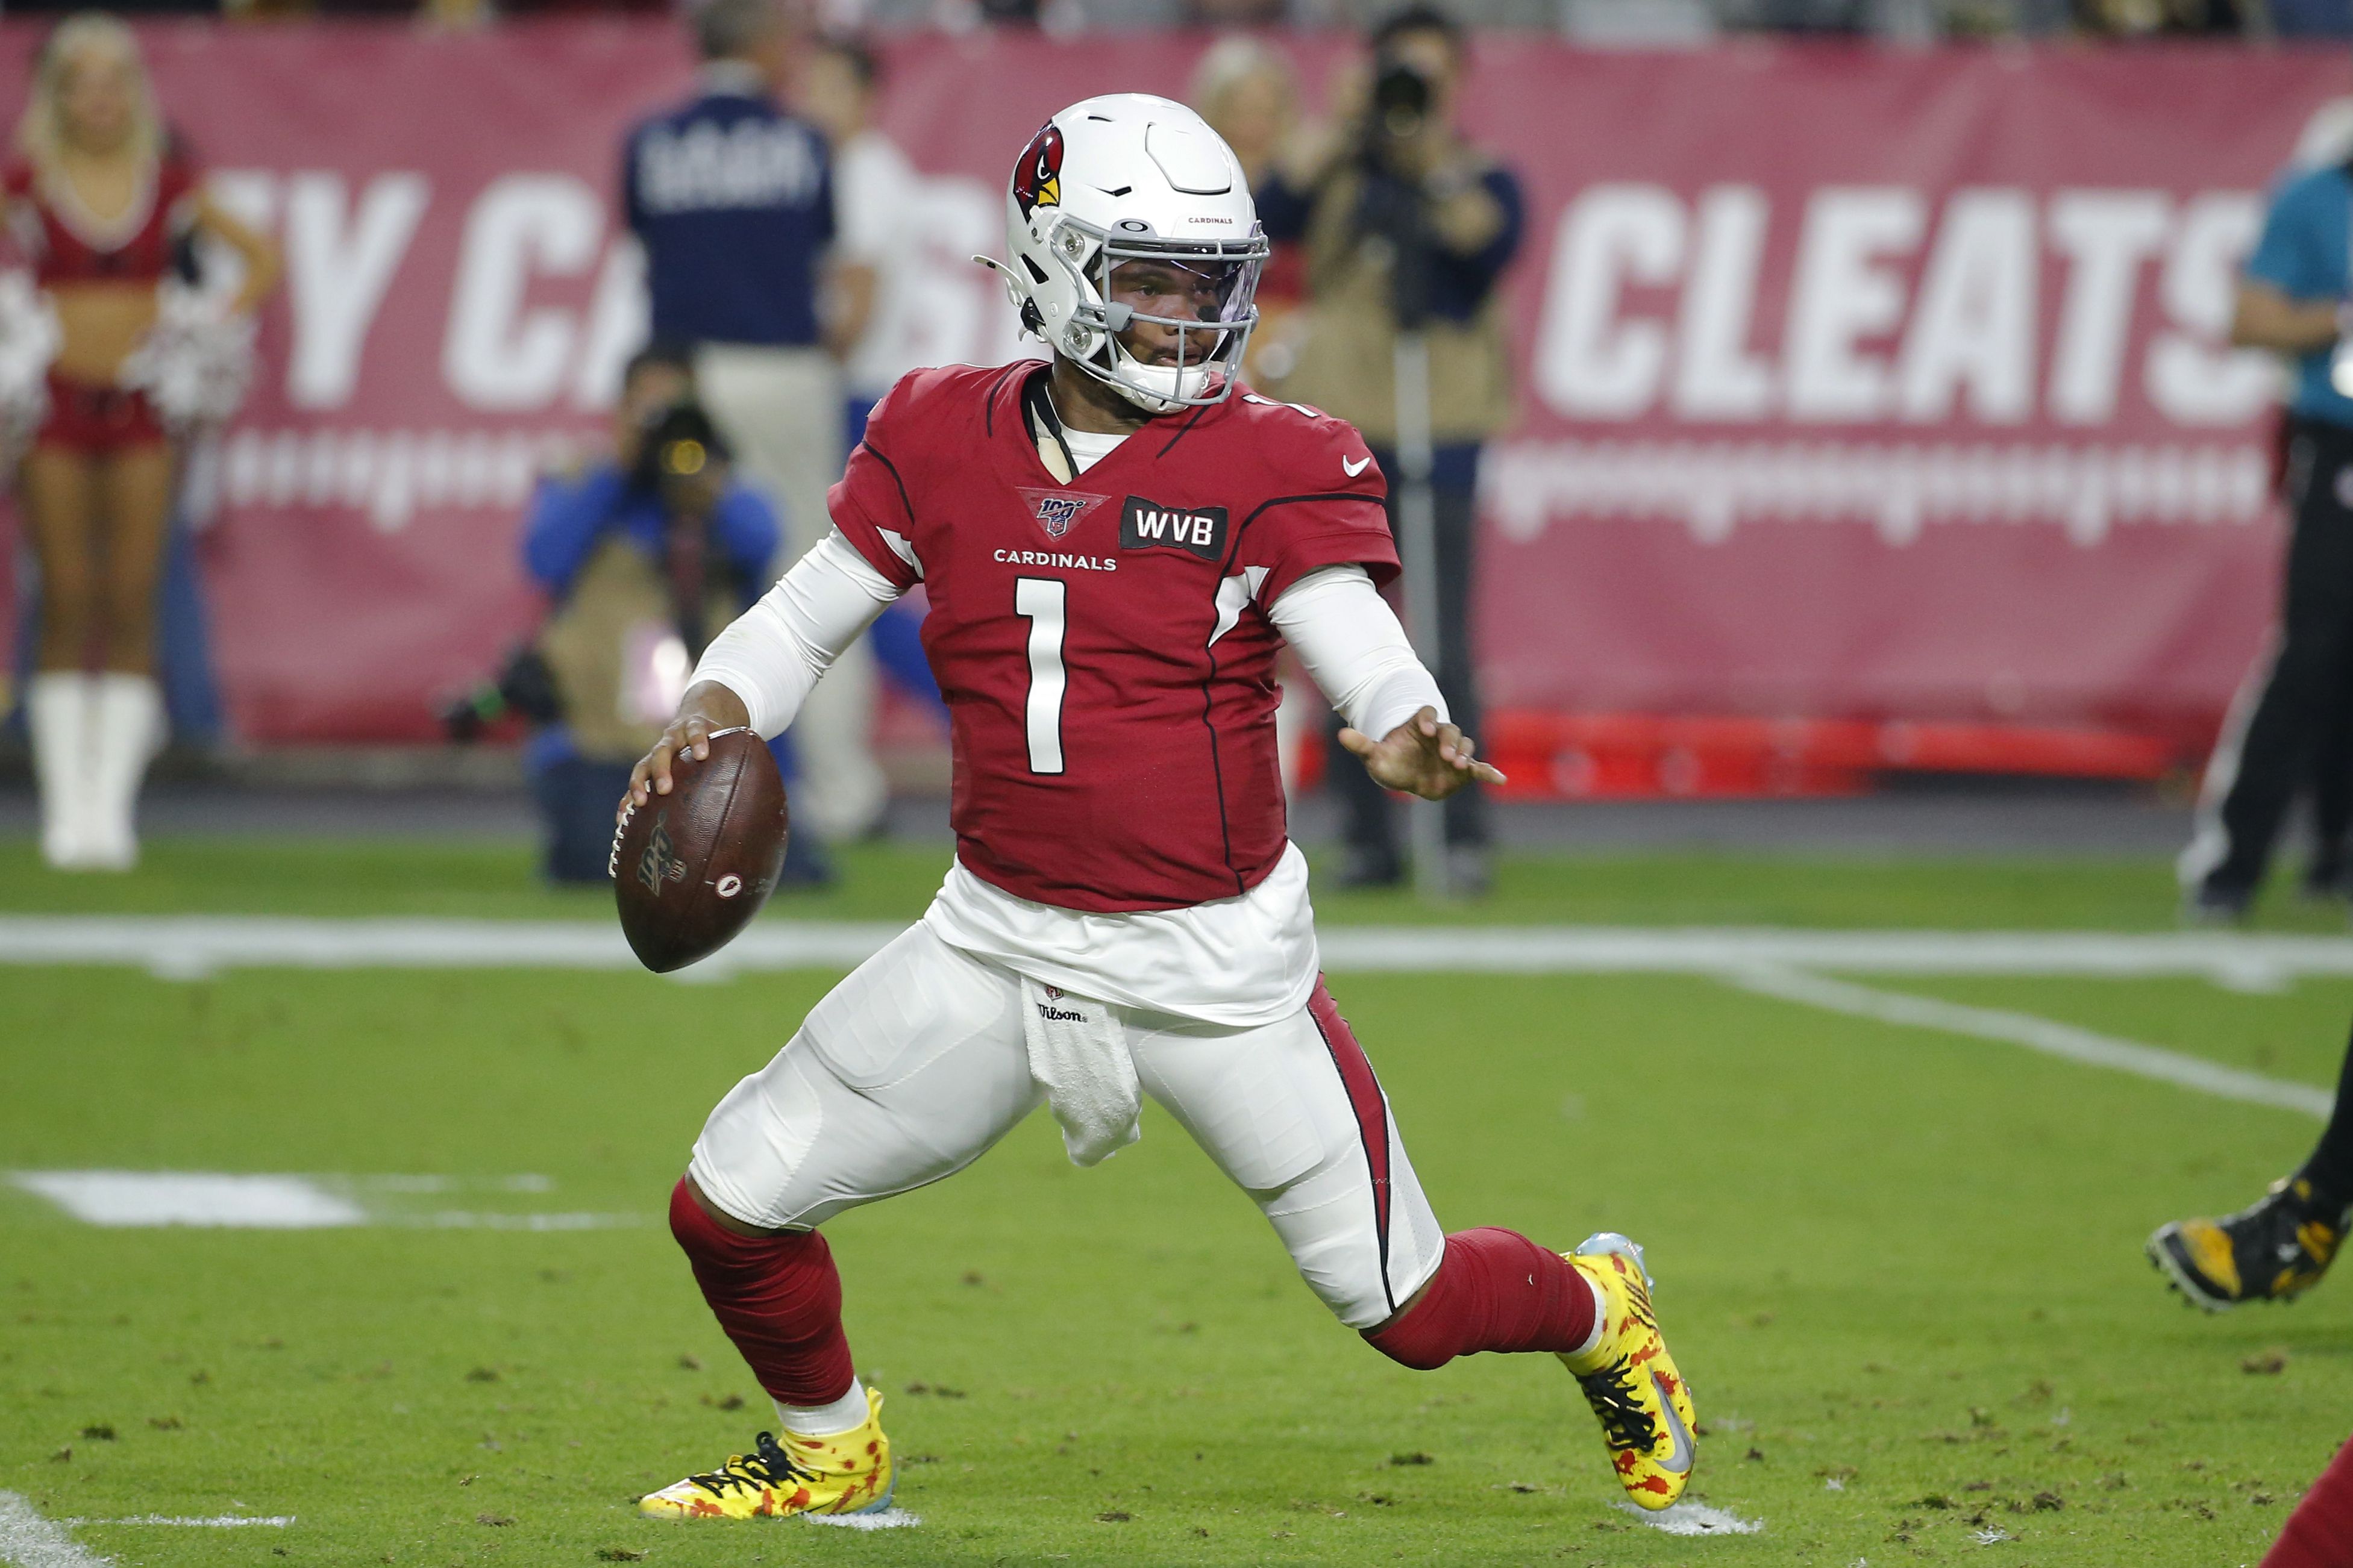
(1264, 1112)
(907, 1006)
(757, 1139)
(1292, 1113)
(907, 1072)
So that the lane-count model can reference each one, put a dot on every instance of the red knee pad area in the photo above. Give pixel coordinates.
(777, 1296)
(1494, 1291)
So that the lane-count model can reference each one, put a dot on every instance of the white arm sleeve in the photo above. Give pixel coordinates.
(773, 652)
(1353, 646)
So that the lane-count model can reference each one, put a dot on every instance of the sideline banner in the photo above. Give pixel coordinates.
(1855, 385)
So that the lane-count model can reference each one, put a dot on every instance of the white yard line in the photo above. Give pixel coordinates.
(141, 1199)
(1774, 961)
(218, 1521)
(257, 1201)
(29, 1540)
(191, 946)
(194, 945)
(451, 1220)
(2043, 1035)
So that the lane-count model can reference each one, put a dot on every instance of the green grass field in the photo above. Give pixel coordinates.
(1901, 1267)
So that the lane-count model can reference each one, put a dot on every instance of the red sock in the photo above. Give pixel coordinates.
(2319, 1533)
(778, 1296)
(1494, 1291)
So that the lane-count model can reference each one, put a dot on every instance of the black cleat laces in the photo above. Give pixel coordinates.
(1625, 1425)
(769, 1466)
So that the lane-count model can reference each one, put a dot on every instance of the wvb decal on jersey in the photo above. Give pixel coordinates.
(1058, 511)
(1148, 526)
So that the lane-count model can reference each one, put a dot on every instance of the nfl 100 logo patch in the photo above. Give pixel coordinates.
(659, 863)
(1059, 511)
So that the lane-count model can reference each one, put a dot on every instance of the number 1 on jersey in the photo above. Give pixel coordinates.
(1042, 601)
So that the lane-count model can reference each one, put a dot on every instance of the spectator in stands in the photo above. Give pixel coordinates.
(2311, 18)
(877, 208)
(733, 197)
(96, 487)
(1235, 13)
(875, 194)
(2292, 300)
(1245, 88)
(645, 555)
(1392, 176)
(2153, 18)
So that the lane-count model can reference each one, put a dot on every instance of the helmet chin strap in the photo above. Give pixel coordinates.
(1160, 388)
(1158, 403)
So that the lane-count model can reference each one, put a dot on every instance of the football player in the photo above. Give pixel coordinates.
(1112, 544)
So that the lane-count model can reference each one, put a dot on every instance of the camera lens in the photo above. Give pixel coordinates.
(1400, 97)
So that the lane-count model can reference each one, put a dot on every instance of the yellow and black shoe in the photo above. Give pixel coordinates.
(2274, 1250)
(1629, 1379)
(849, 1473)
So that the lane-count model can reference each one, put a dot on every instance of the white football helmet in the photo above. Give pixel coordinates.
(1131, 178)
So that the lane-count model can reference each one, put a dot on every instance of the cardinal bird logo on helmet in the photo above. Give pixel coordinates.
(1037, 178)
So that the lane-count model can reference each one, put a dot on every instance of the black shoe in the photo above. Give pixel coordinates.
(2274, 1251)
(1362, 869)
(2327, 881)
(2207, 905)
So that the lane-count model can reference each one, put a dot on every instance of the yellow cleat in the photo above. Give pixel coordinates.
(2274, 1251)
(1631, 1380)
(847, 1473)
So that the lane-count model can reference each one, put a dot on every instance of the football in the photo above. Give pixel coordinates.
(691, 868)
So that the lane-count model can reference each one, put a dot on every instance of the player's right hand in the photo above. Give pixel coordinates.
(707, 708)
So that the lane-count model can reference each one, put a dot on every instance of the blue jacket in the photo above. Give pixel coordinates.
(571, 516)
(733, 199)
(2304, 253)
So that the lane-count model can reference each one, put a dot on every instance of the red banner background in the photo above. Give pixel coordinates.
(1855, 385)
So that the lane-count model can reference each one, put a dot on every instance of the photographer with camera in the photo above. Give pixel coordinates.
(645, 557)
(1406, 228)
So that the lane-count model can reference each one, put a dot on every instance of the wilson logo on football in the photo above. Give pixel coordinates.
(727, 887)
(1037, 178)
(661, 863)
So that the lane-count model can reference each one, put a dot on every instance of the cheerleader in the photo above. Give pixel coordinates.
(104, 205)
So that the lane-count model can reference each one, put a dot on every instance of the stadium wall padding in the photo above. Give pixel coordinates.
(1854, 382)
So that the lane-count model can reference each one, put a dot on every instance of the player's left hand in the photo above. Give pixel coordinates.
(1421, 756)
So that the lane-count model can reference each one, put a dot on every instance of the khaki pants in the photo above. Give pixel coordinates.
(782, 411)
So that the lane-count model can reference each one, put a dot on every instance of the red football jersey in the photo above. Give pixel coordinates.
(1102, 646)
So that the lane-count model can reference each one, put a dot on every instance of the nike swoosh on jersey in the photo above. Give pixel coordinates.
(1358, 467)
(1679, 1462)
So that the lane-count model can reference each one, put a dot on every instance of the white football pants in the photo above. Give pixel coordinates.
(914, 1066)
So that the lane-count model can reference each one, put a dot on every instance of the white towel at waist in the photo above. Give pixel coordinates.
(1077, 1054)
